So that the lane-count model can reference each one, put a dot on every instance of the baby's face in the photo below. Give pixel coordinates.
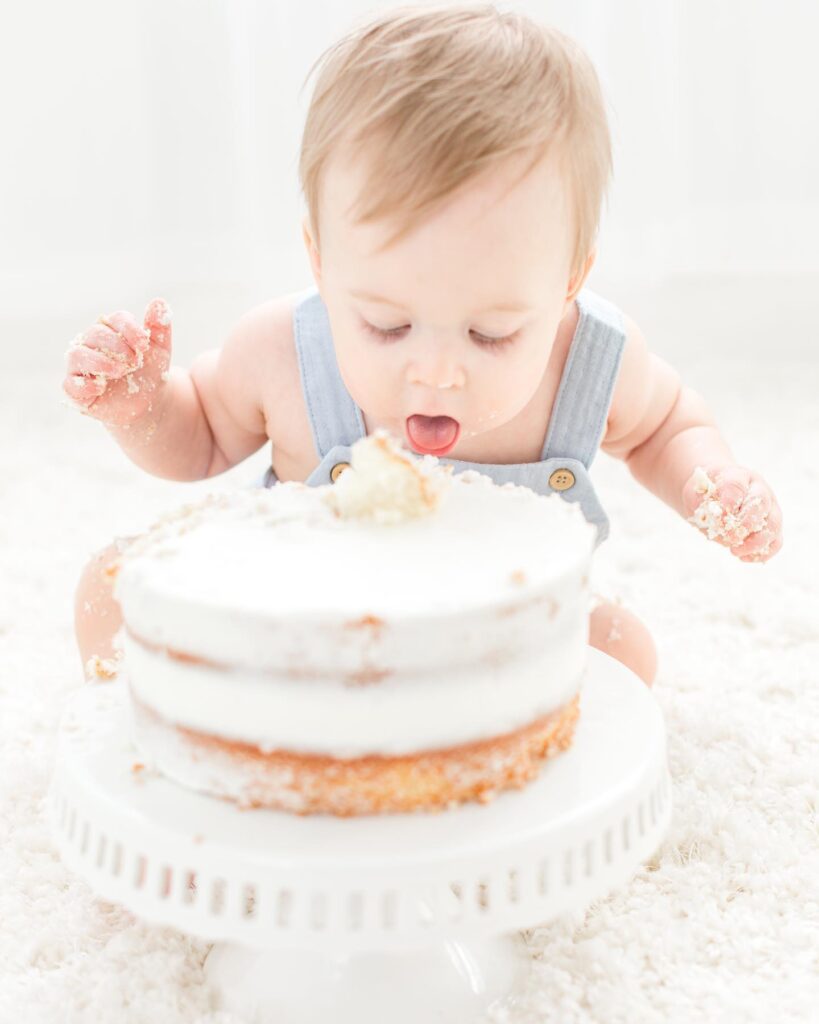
(471, 299)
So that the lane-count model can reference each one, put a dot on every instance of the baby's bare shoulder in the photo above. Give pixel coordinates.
(268, 350)
(644, 393)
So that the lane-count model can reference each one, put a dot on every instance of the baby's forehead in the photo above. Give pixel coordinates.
(509, 207)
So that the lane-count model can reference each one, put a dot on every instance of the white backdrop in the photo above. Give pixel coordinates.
(151, 145)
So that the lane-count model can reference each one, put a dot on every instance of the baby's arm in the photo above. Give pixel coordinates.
(208, 418)
(175, 423)
(664, 432)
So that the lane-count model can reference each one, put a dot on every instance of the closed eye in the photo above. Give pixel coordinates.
(394, 333)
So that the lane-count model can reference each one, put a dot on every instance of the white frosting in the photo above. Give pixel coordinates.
(399, 715)
(474, 616)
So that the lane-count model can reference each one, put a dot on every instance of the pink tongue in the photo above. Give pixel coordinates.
(432, 431)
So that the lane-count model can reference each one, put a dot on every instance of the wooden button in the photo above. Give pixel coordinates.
(561, 480)
(338, 469)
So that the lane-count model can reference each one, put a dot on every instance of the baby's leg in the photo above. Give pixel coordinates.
(97, 616)
(618, 632)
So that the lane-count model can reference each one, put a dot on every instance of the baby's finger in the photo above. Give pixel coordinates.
(81, 360)
(763, 554)
(111, 344)
(762, 542)
(755, 508)
(126, 325)
(83, 390)
(732, 485)
(754, 544)
(158, 322)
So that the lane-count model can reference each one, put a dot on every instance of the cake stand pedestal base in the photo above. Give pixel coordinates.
(450, 981)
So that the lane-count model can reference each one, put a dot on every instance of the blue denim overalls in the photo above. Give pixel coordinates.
(576, 425)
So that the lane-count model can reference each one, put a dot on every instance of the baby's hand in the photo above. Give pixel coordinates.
(117, 369)
(736, 508)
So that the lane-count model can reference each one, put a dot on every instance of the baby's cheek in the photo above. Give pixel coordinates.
(372, 382)
(502, 388)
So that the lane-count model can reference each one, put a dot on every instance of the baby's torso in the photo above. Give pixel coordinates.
(547, 446)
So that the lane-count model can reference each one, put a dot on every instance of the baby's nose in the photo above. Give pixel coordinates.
(437, 370)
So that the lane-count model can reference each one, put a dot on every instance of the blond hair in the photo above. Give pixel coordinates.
(442, 92)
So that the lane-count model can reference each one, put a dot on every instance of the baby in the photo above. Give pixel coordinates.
(454, 162)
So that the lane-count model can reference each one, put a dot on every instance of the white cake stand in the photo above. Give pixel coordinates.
(400, 918)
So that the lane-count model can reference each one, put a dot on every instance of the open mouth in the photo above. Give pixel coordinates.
(432, 435)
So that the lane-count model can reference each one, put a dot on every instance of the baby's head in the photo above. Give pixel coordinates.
(454, 162)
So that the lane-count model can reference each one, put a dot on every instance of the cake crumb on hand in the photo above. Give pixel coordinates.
(717, 521)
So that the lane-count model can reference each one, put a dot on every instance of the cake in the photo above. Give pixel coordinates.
(404, 639)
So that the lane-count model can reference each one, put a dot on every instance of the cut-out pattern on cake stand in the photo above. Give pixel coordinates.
(389, 917)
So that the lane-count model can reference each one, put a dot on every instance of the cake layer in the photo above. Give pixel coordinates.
(306, 784)
(277, 581)
(401, 713)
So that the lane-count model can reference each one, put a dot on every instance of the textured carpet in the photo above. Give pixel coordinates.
(721, 925)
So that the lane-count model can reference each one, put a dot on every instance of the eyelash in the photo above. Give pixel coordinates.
(395, 332)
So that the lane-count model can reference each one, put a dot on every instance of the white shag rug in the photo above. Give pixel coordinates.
(722, 925)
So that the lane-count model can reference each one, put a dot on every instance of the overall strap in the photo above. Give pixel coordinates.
(334, 416)
(582, 403)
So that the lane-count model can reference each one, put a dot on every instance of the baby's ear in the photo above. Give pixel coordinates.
(312, 251)
(579, 279)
